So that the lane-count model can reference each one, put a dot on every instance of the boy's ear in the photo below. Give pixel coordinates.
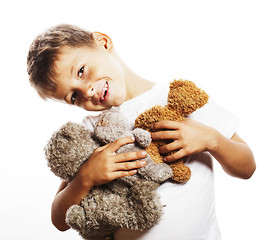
(102, 40)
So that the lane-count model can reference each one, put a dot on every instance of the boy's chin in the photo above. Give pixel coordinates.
(118, 102)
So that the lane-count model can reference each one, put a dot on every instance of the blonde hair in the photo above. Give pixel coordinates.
(44, 51)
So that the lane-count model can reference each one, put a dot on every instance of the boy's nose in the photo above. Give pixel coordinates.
(89, 91)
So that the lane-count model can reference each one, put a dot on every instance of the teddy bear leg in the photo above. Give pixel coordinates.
(87, 228)
(145, 203)
(181, 173)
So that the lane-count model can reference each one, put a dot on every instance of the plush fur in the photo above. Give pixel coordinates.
(184, 98)
(129, 202)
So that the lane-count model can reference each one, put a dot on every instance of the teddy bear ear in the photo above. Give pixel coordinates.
(185, 96)
(68, 149)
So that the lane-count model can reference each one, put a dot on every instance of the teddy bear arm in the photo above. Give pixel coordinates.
(142, 137)
(158, 172)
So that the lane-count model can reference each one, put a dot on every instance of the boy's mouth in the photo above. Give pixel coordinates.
(104, 93)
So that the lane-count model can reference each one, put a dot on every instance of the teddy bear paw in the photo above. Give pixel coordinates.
(75, 217)
(165, 172)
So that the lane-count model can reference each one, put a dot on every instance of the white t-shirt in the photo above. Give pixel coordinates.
(189, 212)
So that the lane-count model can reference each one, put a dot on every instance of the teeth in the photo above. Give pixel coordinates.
(104, 92)
(105, 88)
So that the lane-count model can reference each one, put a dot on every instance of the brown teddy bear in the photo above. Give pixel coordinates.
(184, 97)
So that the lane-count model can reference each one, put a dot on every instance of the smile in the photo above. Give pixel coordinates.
(104, 93)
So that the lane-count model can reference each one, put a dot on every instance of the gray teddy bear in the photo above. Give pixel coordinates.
(128, 202)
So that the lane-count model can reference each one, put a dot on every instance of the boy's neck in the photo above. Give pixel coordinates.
(135, 85)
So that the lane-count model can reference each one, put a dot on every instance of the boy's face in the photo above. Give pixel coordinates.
(90, 78)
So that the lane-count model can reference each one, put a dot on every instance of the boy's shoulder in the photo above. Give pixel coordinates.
(217, 117)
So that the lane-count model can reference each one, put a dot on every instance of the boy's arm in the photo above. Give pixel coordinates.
(234, 155)
(103, 166)
(67, 195)
(190, 137)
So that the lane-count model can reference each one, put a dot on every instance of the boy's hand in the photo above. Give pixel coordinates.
(188, 137)
(104, 165)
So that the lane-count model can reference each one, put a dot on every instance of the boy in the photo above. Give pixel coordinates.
(81, 68)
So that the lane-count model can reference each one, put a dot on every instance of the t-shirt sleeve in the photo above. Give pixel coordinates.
(89, 122)
(213, 115)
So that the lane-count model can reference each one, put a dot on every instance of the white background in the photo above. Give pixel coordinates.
(218, 44)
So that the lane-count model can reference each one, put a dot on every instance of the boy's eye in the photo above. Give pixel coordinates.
(80, 72)
(73, 97)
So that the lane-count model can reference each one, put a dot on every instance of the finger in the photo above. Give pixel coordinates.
(120, 174)
(108, 177)
(103, 147)
(128, 166)
(161, 135)
(166, 125)
(114, 146)
(130, 156)
(175, 145)
(176, 156)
